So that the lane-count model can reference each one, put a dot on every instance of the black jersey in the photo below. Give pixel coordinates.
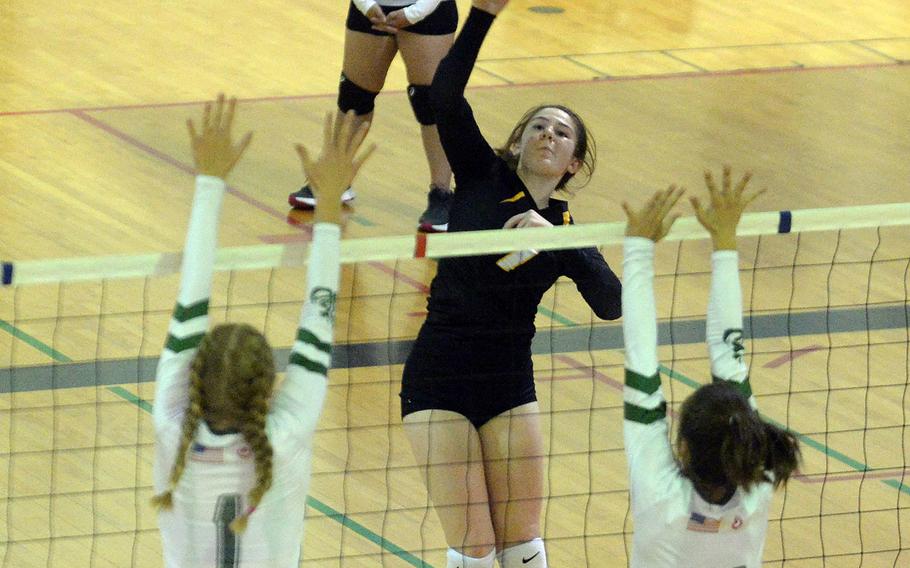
(474, 292)
(473, 353)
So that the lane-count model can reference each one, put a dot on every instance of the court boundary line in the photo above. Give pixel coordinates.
(604, 78)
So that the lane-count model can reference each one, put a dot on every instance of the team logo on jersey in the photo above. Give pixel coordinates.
(734, 338)
(701, 523)
(737, 523)
(325, 299)
(201, 453)
(244, 452)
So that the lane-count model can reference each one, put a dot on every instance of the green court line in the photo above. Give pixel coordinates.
(556, 317)
(678, 376)
(366, 533)
(311, 501)
(42, 347)
(361, 220)
(843, 458)
(830, 452)
(127, 395)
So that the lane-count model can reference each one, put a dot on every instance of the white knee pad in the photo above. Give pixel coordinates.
(529, 554)
(455, 559)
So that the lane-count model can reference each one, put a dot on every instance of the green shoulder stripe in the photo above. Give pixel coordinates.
(308, 364)
(186, 313)
(647, 385)
(310, 339)
(644, 415)
(177, 344)
(744, 387)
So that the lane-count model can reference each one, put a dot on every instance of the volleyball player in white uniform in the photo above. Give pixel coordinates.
(232, 462)
(707, 507)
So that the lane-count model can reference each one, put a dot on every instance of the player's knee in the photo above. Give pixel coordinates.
(464, 559)
(531, 554)
(354, 97)
(419, 96)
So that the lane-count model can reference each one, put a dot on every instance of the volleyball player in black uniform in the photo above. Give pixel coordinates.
(468, 400)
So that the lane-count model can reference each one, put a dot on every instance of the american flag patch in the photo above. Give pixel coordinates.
(201, 453)
(701, 523)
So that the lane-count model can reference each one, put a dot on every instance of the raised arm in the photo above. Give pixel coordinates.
(297, 405)
(596, 281)
(466, 149)
(647, 446)
(214, 156)
(724, 327)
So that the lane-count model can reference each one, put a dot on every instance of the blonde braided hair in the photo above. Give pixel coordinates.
(231, 380)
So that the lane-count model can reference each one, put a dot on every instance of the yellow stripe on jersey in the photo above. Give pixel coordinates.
(514, 198)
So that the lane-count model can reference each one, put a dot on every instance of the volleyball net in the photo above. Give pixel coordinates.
(826, 299)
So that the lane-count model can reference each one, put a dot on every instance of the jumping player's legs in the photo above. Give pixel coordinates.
(513, 463)
(447, 449)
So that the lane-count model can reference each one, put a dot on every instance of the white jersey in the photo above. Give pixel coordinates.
(414, 12)
(673, 526)
(220, 469)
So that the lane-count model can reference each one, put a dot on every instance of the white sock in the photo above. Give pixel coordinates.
(529, 554)
(455, 559)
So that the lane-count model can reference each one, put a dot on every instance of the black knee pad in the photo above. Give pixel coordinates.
(354, 97)
(419, 95)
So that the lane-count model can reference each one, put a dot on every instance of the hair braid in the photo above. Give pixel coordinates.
(190, 423)
(254, 423)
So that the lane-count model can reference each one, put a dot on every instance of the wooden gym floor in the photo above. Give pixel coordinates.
(813, 96)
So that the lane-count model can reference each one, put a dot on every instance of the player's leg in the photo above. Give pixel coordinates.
(513, 463)
(447, 449)
(367, 57)
(421, 54)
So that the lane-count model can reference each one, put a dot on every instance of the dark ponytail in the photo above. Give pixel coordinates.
(728, 445)
(783, 455)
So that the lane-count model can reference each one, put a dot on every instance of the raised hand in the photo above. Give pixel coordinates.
(213, 152)
(491, 6)
(721, 216)
(651, 221)
(334, 170)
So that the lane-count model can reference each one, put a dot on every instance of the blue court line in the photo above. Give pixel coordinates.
(42, 347)
(326, 510)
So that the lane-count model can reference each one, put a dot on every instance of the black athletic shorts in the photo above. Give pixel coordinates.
(443, 20)
(479, 375)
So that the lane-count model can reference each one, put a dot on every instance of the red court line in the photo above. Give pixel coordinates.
(603, 79)
(284, 239)
(186, 168)
(589, 371)
(790, 356)
(560, 375)
(594, 373)
(416, 284)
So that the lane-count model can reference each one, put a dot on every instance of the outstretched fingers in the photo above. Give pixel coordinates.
(240, 149)
(363, 157)
(228, 119)
(671, 197)
(741, 186)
